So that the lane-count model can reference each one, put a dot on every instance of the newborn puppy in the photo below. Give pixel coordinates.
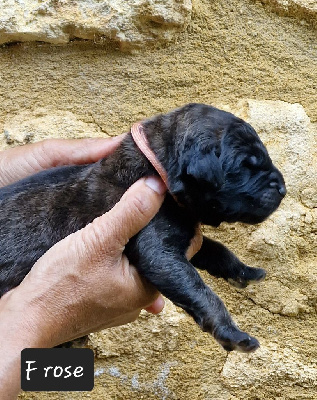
(217, 169)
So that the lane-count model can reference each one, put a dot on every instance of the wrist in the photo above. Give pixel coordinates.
(20, 323)
(15, 335)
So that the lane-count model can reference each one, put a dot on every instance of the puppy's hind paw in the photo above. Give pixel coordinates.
(232, 338)
(246, 276)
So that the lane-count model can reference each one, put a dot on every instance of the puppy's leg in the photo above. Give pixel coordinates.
(179, 281)
(222, 263)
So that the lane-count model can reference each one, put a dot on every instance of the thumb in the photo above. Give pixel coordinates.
(22, 161)
(133, 212)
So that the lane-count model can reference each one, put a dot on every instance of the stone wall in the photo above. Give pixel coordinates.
(131, 23)
(256, 59)
(301, 9)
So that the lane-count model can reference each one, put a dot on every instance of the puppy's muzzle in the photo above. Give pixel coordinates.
(277, 182)
(273, 195)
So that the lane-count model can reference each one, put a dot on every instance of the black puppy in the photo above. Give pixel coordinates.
(217, 170)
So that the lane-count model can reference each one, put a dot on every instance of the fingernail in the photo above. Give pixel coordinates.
(160, 303)
(155, 184)
(157, 306)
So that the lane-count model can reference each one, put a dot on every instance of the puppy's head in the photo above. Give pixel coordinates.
(217, 165)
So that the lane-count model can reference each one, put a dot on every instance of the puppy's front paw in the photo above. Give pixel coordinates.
(246, 276)
(231, 338)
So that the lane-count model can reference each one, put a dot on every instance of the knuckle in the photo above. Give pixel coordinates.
(45, 146)
(80, 152)
(3, 171)
(140, 206)
(92, 235)
(99, 240)
(44, 152)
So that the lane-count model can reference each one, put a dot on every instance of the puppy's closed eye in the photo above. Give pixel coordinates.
(252, 161)
(257, 162)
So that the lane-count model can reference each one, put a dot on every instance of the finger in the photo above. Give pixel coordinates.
(133, 212)
(195, 243)
(56, 152)
(157, 306)
(23, 161)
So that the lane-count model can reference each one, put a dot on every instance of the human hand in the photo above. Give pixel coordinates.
(22, 161)
(82, 284)
(85, 283)
(19, 162)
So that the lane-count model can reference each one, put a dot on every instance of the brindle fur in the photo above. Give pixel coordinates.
(218, 169)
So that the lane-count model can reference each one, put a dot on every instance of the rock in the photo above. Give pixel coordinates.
(43, 124)
(161, 330)
(269, 364)
(131, 23)
(287, 132)
(309, 197)
(301, 9)
(285, 244)
(291, 139)
(279, 299)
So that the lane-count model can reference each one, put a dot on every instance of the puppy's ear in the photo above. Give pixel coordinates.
(197, 166)
(206, 167)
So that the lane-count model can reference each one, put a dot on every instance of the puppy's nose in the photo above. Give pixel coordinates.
(282, 190)
(279, 186)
